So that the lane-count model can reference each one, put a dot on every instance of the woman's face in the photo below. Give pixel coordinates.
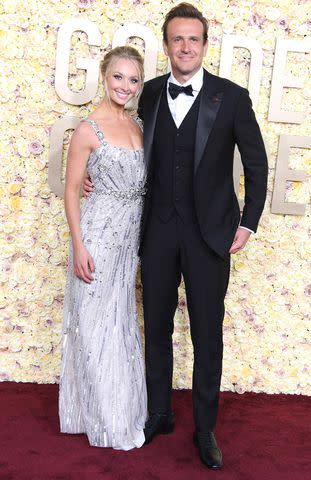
(122, 82)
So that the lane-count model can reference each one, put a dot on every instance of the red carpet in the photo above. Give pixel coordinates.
(263, 437)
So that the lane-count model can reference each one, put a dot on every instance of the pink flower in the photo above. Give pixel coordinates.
(86, 3)
(35, 147)
(25, 312)
(271, 276)
(284, 291)
(259, 328)
(256, 381)
(10, 238)
(182, 304)
(282, 23)
(308, 290)
(51, 81)
(256, 20)
(7, 266)
(245, 62)
(213, 40)
(36, 367)
(239, 389)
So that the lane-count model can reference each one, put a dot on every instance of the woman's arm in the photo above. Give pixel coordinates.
(79, 151)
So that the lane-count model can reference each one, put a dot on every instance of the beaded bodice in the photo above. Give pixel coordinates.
(116, 171)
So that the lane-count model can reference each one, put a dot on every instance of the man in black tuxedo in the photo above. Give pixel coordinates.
(191, 221)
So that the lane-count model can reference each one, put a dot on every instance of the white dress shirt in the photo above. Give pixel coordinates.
(180, 106)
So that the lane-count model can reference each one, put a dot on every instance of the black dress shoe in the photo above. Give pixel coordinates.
(158, 423)
(209, 452)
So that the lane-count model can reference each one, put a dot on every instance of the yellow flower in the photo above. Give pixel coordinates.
(64, 233)
(227, 320)
(239, 265)
(38, 164)
(22, 146)
(15, 187)
(15, 203)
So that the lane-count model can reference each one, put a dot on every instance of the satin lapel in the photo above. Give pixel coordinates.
(210, 102)
(150, 118)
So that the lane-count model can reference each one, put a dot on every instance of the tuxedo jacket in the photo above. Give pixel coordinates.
(225, 119)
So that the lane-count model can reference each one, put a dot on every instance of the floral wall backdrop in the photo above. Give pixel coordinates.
(267, 322)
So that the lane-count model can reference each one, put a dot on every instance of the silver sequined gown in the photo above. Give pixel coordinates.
(102, 381)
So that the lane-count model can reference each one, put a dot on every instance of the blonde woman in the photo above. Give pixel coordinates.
(102, 385)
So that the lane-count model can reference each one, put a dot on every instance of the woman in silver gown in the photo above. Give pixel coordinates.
(102, 381)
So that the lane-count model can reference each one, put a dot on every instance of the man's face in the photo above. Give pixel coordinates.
(185, 47)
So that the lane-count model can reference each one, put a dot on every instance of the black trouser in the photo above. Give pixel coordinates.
(169, 250)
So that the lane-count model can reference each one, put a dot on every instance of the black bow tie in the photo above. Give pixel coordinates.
(175, 90)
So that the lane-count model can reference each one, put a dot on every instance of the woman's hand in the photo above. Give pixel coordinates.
(83, 264)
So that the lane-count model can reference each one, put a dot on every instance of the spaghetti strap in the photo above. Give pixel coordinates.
(139, 123)
(98, 132)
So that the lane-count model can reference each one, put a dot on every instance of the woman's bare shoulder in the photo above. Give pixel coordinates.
(84, 133)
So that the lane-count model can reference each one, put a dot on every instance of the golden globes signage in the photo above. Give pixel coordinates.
(280, 81)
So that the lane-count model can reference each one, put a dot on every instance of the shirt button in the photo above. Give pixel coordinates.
(177, 167)
(176, 199)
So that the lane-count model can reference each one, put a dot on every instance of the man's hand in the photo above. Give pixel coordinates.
(87, 187)
(240, 240)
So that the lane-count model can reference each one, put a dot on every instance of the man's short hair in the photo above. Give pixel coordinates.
(185, 10)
